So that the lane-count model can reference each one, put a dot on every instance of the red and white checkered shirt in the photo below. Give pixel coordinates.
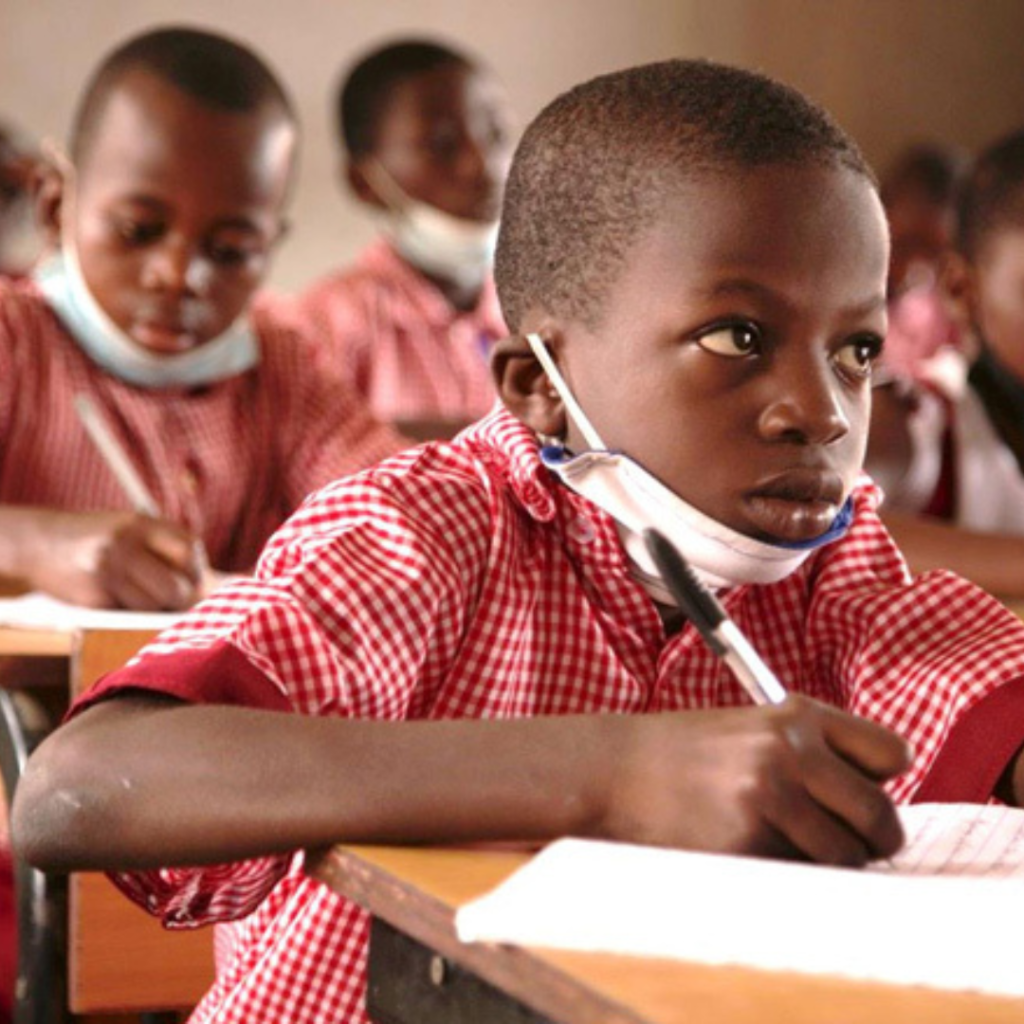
(460, 580)
(230, 461)
(400, 343)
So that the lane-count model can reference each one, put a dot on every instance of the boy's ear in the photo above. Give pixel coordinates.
(524, 388)
(48, 197)
(353, 175)
(959, 289)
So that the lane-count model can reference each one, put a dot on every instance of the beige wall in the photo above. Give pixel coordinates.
(890, 70)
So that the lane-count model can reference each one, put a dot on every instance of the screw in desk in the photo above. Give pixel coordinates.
(437, 970)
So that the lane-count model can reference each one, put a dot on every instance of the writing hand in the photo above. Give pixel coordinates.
(799, 779)
(152, 565)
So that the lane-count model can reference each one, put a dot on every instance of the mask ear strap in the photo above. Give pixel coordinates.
(540, 350)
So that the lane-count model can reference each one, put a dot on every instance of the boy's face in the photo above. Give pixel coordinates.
(733, 355)
(995, 297)
(446, 139)
(174, 211)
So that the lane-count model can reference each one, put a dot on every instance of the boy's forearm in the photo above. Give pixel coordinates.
(112, 789)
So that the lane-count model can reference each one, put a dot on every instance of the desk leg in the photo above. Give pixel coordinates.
(407, 983)
(41, 900)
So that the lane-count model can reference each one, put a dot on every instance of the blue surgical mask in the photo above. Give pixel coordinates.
(63, 285)
(618, 485)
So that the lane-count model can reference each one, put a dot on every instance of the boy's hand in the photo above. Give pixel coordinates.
(112, 560)
(800, 779)
(152, 565)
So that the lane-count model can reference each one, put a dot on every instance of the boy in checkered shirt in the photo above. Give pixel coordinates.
(469, 645)
(168, 210)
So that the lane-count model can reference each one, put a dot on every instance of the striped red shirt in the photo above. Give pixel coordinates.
(459, 580)
(230, 461)
(400, 343)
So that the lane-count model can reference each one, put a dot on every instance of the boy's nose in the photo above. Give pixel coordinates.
(805, 407)
(175, 266)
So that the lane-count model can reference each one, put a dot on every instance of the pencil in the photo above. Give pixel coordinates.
(115, 456)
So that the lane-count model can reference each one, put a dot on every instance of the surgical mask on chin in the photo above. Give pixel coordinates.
(720, 556)
(450, 248)
(63, 285)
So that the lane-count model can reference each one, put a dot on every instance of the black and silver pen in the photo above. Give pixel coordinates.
(720, 633)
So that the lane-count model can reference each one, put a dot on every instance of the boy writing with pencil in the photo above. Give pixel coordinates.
(168, 211)
(472, 648)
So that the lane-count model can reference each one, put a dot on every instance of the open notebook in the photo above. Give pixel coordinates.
(39, 611)
(946, 912)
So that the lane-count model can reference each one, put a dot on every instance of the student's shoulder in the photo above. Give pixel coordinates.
(377, 270)
(31, 336)
(479, 482)
(23, 310)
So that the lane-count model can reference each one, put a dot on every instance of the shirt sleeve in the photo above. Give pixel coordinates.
(356, 610)
(932, 657)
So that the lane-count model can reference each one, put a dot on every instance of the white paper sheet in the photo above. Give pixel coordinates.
(945, 913)
(39, 611)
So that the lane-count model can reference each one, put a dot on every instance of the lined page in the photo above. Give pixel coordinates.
(941, 914)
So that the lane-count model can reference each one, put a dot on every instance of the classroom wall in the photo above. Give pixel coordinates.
(890, 70)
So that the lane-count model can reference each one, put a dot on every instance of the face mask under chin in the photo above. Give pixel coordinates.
(720, 556)
(449, 248)
(63, 285)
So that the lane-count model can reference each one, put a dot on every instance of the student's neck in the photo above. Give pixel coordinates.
(460, 297)
(672, 619)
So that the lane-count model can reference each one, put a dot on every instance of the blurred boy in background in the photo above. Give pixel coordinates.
(168, 212)
(427, 133)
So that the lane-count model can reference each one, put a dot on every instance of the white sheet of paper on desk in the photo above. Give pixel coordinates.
(946, 913)
(39, 611)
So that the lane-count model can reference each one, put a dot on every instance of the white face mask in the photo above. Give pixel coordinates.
(64, 287)
(450, 248)
(637, 500)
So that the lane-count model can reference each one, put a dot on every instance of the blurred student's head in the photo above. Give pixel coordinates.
(984, 277)
(428, 138)
(436, 120)
(182, 153)
(704, 252)
(919, 193)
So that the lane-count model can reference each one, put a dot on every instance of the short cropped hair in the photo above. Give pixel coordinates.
(992, 197)
(216, 71)
(369, 86)
(592, 171)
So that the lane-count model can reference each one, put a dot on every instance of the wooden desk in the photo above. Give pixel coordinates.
(119, 957)
(417, 891)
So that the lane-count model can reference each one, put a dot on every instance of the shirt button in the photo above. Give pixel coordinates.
(582, 531)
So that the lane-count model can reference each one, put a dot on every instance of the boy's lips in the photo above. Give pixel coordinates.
(796, 505)
(165, 336)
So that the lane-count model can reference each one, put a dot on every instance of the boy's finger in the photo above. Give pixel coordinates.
(814, 833)
(174, 547)
(855, 801)
(878, 752)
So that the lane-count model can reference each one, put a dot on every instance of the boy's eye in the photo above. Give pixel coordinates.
(732, 340)
(234, 254)
(137, 232)
(859, 354)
